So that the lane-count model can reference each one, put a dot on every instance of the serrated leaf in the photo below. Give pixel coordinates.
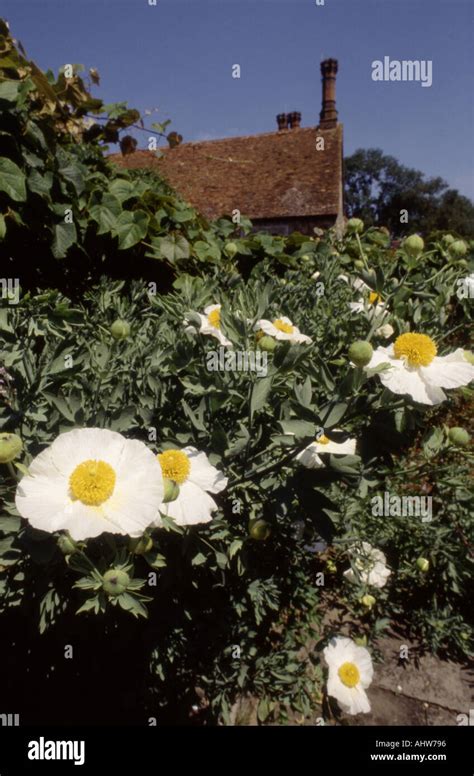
(130, 228)
(12, 180)
(64, 235)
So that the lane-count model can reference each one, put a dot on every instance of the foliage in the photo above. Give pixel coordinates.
(264, 597)
(66, 214)
(378, 188)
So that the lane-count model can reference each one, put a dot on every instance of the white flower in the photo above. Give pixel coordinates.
(315, 275)
(309, 456)
(369, 300)
(92, 481)
(384, 331)
(373, 302)
(416, 370)
(350, 673)
(282, 329)
(211, 324)
(370, 564)
(196, 478)
(356, 283)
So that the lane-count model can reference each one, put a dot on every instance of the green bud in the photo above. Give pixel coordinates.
(447, 239)
(368, 601)
(115, 582)
(140, 546)
(171, 490)
(230, 250)
(355, 226)
(10, 447)
(459, 436)
(457, 249)
(360, 353)
(120, 329)
(462, 263)
(361, 641)
(423, 564)
(259, 529)
(469, 356)
(359, 264)
(267, 343)
(306, 257)
(67, 545)
(414, 245)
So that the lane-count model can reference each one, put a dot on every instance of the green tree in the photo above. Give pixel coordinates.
(378, 187)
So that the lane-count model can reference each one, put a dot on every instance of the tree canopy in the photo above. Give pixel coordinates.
(378, 188)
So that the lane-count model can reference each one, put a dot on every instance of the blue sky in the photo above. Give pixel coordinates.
(178, 55)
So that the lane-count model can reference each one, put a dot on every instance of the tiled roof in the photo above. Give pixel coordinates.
(271, 175)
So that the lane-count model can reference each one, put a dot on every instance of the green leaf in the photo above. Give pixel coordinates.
(174, 248)
(260, 393)
(12, 180)
(60, 403)
(304, 393)
(122, 189)
(123, 420)
(40, 183)
(130, 228)
(106, 213)
(72, 171)
(3, 227)
(300, 429)
(198, 559)
(432, 442)
(330, 416)
(9, 90)
(65, 235)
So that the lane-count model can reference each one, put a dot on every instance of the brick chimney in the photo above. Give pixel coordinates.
(282, 121)
(294, 120)
(328, 115)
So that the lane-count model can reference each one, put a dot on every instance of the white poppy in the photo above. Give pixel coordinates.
(371, 566)
(416, 370)
(309, 456)
(371, 303)
(357, 283)
(384, 331)
(211, 324)
(282, 329)
(92, 481)
(196, 478)
(350, 673)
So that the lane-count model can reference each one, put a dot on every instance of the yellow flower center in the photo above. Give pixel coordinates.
(214, 318)
(418, 349)
(323, 440)
(92, 482)
(349, 674)
(175, 465)
(374, 298)
(287, 328)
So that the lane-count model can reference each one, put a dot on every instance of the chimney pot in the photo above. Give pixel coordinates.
(282, 121)
(328, 115)
(294, 120)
